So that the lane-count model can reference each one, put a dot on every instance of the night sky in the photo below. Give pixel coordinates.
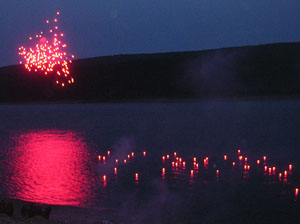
(97, 28)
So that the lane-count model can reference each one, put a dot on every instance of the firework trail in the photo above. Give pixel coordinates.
(48, 54)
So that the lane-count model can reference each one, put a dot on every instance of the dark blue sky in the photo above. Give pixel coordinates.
(107, 27)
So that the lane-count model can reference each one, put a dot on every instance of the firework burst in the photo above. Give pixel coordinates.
(48, 54)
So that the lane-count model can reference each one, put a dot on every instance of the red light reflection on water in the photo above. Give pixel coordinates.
(51, 167)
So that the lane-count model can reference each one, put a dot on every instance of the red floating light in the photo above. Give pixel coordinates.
(233, 163)
(225, 157)
(192, 173)
(144, 153)
(258, 162)
(270, 170)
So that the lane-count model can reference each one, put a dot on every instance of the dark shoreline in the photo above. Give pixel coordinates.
(270, 70)
(61, 214)
(158, 101)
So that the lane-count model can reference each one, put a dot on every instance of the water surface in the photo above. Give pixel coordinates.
(49, 155)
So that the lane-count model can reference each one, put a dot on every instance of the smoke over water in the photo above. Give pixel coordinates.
(214, 73)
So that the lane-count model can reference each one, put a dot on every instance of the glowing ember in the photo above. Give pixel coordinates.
(47, 54)
(136, 176)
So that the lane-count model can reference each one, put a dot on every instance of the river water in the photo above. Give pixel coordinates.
(49, 154)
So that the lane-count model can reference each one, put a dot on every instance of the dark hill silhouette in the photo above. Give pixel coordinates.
(265, 70)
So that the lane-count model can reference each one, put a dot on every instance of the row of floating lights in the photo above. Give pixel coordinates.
(125, 160)
(179, 162)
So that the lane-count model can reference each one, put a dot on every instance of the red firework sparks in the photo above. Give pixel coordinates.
(48, 54)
